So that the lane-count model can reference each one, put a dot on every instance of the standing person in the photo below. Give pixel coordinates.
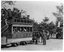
(34, 38)
(47, 35)
(38, 37)
(43, 35)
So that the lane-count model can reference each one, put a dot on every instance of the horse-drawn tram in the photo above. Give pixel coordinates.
(21, 30)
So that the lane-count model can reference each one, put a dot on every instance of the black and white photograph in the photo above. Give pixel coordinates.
(31, 25)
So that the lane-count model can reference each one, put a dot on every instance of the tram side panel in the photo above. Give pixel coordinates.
(22, 35)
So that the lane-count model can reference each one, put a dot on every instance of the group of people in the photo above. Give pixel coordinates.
(39, 36)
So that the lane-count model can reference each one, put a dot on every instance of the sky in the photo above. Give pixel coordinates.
(38, 9)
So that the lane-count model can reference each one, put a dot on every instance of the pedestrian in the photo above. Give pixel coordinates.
(43, 35)
(38, 37)
(34, 38)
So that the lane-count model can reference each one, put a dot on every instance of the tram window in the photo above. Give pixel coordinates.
(21, 29)
(15, 29)
(18, 29)
(18, 20)
(30, 29)
(21, 20)
(24, 21)
(25, 30)
(28, 21)
(15, 20)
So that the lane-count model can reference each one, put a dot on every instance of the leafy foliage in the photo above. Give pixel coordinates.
(59, 14)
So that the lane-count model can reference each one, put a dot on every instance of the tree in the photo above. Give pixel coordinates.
(6, 16)
(59, 15)
(51, 28)
(5, 4)
(6, 13)
(59, 21)
(44, 23)
(46, 19)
